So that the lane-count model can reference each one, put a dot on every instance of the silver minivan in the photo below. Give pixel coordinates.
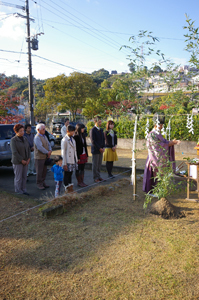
(6, 133)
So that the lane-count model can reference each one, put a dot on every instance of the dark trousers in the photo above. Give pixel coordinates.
(41, 170)
(96, 165)
(109, 167)
(67, 177)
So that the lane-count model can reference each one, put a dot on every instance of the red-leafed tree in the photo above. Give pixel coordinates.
(8, 103)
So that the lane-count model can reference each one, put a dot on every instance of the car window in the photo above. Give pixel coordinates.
(6, 132)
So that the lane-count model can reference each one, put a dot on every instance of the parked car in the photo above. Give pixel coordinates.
(6, 133)
(51, 137)
(57, 130)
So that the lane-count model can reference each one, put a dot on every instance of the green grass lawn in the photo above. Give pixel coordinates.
(106, 248)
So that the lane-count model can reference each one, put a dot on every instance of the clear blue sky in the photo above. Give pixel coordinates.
(87, 34)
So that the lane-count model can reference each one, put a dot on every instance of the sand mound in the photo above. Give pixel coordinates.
(166, 210)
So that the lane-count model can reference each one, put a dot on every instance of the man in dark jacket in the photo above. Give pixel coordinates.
(97, 148)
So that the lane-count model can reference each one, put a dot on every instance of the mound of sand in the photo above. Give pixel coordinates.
(166, 210)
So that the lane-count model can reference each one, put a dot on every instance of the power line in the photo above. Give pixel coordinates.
(106, 41)
(122, 33)
(57, 63)
(90, 27)
(60, 64)
(84, 15)
(94, 29)
(82, 41)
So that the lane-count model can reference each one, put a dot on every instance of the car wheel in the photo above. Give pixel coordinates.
(52, 143)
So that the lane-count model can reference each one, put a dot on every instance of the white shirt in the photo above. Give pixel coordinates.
(63, 131)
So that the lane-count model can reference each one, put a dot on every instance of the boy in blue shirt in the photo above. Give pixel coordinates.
(58, 174)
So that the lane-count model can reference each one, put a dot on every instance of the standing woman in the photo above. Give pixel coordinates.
(110, 154)
(20, 158)
(82, 153)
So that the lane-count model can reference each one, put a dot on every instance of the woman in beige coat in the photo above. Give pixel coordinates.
(20, 159)
(69, 155)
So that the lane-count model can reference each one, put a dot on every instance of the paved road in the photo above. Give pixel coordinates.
(7, 183)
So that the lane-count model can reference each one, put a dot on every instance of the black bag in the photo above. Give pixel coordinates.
(48, 161)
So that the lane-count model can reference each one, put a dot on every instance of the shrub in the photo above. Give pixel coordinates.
(179, 131)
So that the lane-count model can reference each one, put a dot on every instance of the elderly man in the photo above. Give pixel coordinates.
(41, 153)
(30, 137)
(64, 128)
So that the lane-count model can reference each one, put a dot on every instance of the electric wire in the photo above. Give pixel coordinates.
(96, 37)
(52, 61)
(85, 16)
(90, 27)
(106, 30)
(41, 16)
(82, 41)
(7, 16)
(94, 29)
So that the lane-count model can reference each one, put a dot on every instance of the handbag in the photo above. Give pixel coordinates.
(83, 159)
(48, 161)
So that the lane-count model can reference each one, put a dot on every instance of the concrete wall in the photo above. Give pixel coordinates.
(185, 146)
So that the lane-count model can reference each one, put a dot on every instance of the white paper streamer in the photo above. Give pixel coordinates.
(157, 125)
(163, 132)
(190, 124)
(168, 129)
(147, 128)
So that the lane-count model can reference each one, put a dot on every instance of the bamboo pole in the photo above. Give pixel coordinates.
(133, 174)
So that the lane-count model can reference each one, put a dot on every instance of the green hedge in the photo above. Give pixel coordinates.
(125, 127)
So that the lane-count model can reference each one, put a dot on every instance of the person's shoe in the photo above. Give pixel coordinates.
(41, 187)
(97, 180)
(25, 193)
(82, 180)
(111, 176)
(79, 181)
(81, 184)
(70, 188)
(46, 186)
(101, 179)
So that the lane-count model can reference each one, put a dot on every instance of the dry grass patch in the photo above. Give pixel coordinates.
(106, 248)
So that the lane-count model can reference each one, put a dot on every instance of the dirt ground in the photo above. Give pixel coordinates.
(107, 248)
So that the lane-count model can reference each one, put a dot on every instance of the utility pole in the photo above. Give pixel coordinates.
(30, 85)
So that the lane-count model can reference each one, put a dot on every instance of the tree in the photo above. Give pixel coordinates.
(143, 45)
(156, 69)
(99, 76)
(69, 93)
(173, 103)
(131, 66)
(93, 107)
(192, 42)
(8, 103)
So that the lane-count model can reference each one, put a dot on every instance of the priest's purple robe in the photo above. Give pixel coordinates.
(159, 153)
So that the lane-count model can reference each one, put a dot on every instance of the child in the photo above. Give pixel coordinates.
(110, 154)
(58, 174)
(68, 150)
